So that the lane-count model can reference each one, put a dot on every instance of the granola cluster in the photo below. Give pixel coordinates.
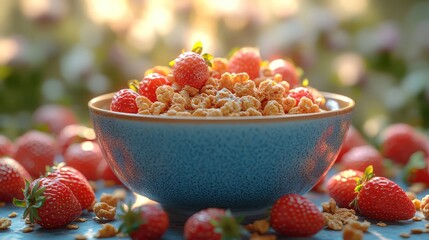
(230, 95)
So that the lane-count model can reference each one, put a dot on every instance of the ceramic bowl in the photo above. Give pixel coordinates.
(230, 162)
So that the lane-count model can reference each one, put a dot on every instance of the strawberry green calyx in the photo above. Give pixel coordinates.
(367, 176)
(131, 220)
(33, 200)
(134, 85)
(198, 49)
(416, 162)
(228, 226)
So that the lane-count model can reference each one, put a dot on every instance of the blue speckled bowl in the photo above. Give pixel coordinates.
(231, 162)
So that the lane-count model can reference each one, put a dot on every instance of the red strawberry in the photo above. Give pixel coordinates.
(76, 182)
(381, 199)
(341, 187)
(6, 146)
(190, 68)
(352, 139)
(86, 157)
(54, 117)
(147, 222)
(287, 70)
(359, 158)
(49, 203)
(212, 224)
(245, 60)
(417, 169)
(34, 151)
(107, 174)
(295, 216)
(124, 101)
(299, 92)
(149, 84)
(399, 141)
(12, 179)
(74, 133)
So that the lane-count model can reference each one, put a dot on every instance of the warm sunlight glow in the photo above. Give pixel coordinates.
(349, 68)
(9, 48)
(102, 11)
(87, 146)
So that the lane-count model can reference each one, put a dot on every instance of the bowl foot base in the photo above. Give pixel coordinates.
(178, 216)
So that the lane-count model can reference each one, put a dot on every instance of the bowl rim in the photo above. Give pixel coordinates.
(346, 104)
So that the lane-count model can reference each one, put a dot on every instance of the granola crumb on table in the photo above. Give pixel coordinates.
(80, 237)
(5, 223)
(108, 230)
(104, 211)
(13, 215)
(72, 226)
(27, 229)
(109, 199)
(381, 224)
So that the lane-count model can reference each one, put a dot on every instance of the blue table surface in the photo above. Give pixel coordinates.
(90, 227)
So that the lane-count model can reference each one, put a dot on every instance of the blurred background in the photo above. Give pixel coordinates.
(66, 52)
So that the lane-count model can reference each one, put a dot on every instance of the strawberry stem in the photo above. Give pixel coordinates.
(367, 175)
(228, 226)
(134, 85)
(131, 219)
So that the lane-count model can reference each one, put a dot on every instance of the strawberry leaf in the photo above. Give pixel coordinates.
(207, 58)
(134, 85)
(171, 63)
(417, 161)
(198, 47)
(228, 226)
(131, 219)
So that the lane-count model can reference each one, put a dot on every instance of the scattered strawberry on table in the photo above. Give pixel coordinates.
(212, 224)
(49, 203)
(12, 179)
(148, 222)
(295, 216)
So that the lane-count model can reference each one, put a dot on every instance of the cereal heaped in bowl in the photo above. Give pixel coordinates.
(234, 133)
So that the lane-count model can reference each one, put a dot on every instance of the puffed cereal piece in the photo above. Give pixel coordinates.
(214, 112)
(178, 113)
(158, 107)
(201, 101)
(191, 90)
(351, 233)
(186, 97)
(177, 108)
(288, 103)
(286, 86)
(250, 102)
(212, 82)
(226, 81)
(223, 96)
(240, 77)
(230, 107)
(253, 112)
(178, 99)
(270, 90)
(104, 211)
(200, 112)
(329, 207)
(107, 231)
(164, 94)
(109, 199)
(143, 103)
(5, 223)
(424, 206)
(305, 105)
(247, 88)
(209, 90)
(273, 108)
